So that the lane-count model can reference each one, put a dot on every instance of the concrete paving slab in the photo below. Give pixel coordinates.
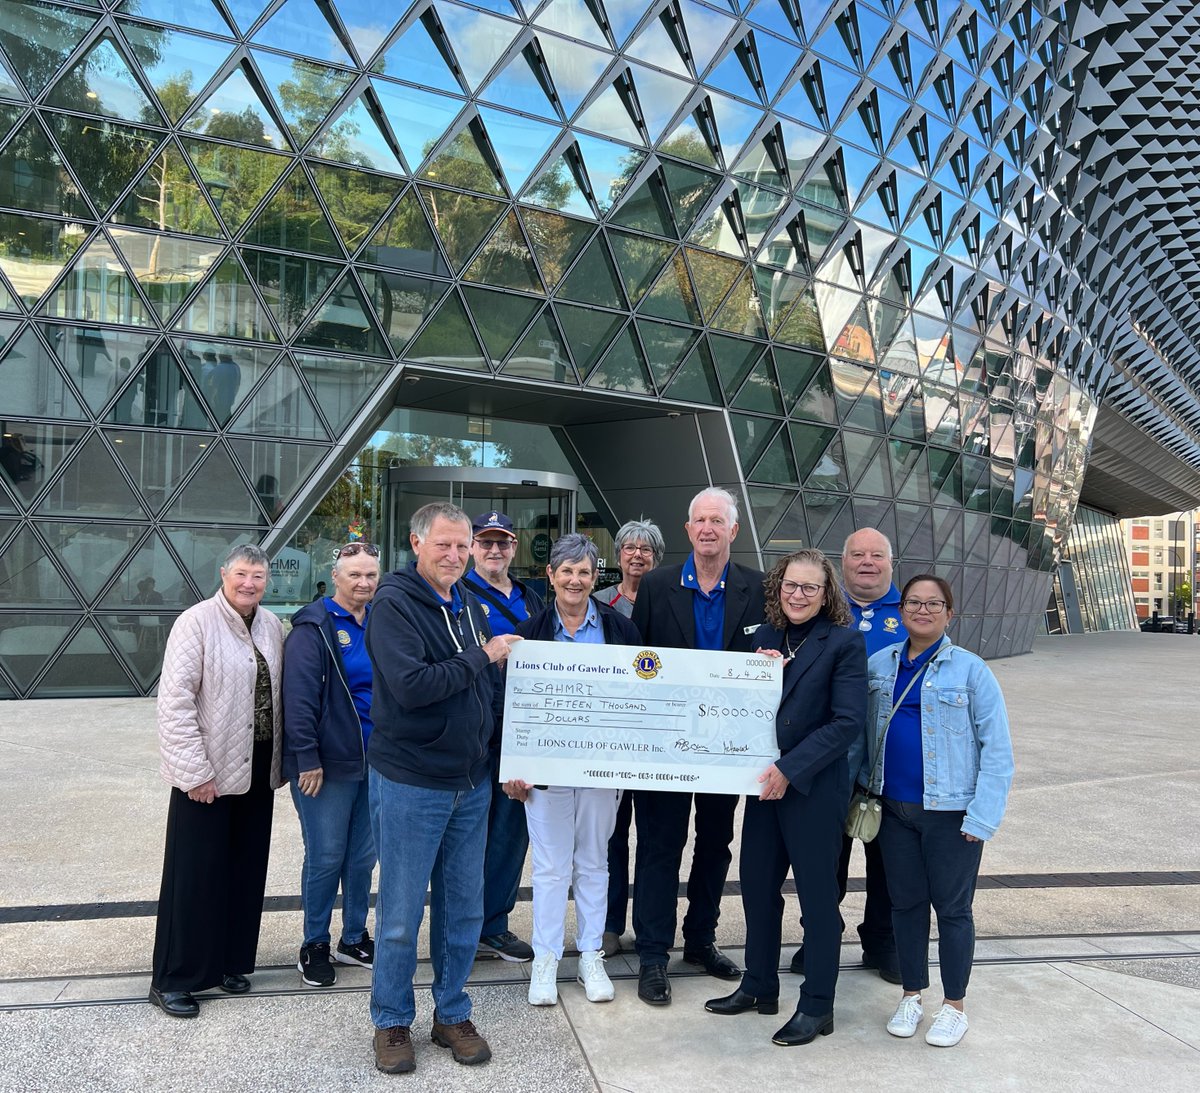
(1184, 972)
(1172, 1009)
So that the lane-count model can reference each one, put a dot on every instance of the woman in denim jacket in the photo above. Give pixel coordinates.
(944, 777)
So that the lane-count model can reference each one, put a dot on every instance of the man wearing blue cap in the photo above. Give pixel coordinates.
(507, 602)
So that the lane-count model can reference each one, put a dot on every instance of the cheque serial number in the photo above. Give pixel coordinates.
(708, 709)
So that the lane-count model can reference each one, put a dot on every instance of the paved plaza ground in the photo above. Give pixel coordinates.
(1088, 916)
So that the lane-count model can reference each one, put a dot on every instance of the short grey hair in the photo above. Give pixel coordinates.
(247, 553)
(716, 493)
(423, 519)
(574, 548)
(887, 541)
(645, 531)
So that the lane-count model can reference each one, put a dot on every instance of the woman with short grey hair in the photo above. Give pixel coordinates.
(640, 548)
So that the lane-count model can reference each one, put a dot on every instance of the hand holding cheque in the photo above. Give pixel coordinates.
(625, 717)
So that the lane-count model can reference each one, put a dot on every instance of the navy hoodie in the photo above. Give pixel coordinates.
(437, 698)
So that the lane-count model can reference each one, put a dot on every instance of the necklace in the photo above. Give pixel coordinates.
(788, 645)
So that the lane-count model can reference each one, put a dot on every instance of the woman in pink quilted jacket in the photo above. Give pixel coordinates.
(219, 735)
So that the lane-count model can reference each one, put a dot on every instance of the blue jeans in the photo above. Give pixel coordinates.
(507, 844)
(338, 847)
(428, 839)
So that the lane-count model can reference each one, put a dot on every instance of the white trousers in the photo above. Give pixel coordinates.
(569, 831)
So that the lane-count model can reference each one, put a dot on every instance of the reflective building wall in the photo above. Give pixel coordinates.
(896, 264)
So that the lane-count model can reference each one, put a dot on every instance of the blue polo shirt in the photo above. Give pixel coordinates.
(707, 607)
(590, 631)
(903, 767)
(352, 644)
(879, 622)
(514, 601)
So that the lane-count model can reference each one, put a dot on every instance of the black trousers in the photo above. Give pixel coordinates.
(803, 832)
(662, 830)
(214, 876)
(618, 867)
(878, 940)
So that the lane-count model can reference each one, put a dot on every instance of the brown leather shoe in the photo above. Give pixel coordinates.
(464, 1042)
(394, 1050)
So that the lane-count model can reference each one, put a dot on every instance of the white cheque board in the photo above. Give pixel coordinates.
(639, 718)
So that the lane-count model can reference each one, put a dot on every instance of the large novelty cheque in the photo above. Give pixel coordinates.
(636, 718)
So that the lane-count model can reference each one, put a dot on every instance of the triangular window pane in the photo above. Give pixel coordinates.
(90, 552)
(639, 259)
(276, 470)
(777, 467)
(911, 468)
(98, 361)
(416, 58)
(608, 115)
(730, 75)
(169, 197)
(593, 280)
(735, 122)
(280, 407)
(866, 464)
(341, 384)
(555, 240)
(504, 260)
(672, 297)
(176, 65)
(449, 340)
(92, 484)
(38, 37)
(574, 68)
(519, 143)
(33, 385)
(689, 191)
(10, 88)
(461, 220)
(343, 323)
(752, 435)
(294, 220)
(588, 332)
(517, 86)
(152, 579)
(768, 507)
(713, 277)
(500, 318)
(810, 443)
(97, 287)
(158, 461)
(659, 96)
(305, 92)
(855, 342)
(557, 188)
(33, 452)
(734, 358)
(542, 354)
(609, 167)
(405, 241)
(623, 367)
(817, 402)
(235, 178)
(227, 307)
(168, 268)
(478, 40)
(201, 14)
(760, 392)
(101, 82)
(28, 641)
(29, 578)
(356, 200)
(104, 155)
(223, 373)
(646, 209)
(245, 12)
(203, 549)
(795, 370)
(464, 162)
(742, 312)
(236, 111)
(706, 30)
(401, 302)
(802, 326)
(419, 119)
(33, 176)
(665, 346)
(654, 44)
(300, 27)
(696, 380)
(574, 17)
(358, 137)
(215, 492)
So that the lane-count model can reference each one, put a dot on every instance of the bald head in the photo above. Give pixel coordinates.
(867, 565)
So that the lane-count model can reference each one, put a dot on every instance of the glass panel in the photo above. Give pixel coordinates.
(305, 92)
(479, 40)
(236, 111)
(810, 443)
(405, 240)
(672, 296)
(466, 161)
(594, 278)
(623, 367)
(588, 332)
(200, 14)
(713, 276)
(696, 380)
(215, 492)
(761, 392)
(235, 178)
(654, 45)
(401, 302)
(416, 58)
(735, 122)
(277, 470)
(742, 312)
(299, 27)
(168, 197)
(752, 435)
(32, 452)
(31, 382)
(343, 323)
(609, 167)
(38, 37)
(202, 551)
(517, 85)
(461, 220)
(574, 68)
(167, 269)
(356, 200)
(156, 461)
(556, 188)
(281, 407)
(505, 261)
(542, 353)
(101, 82)
(32, 176)
(28, 641)
(689, 191)
(98, 288)
(28, 577)
(449, 339)
(92, 484)
(556, 240)
(99, 361)
(294, 220)
(227, 307)
(90, 552)
(342, 384)
(659, 97)
(418, 118)
(639, 261)
(519, 143)
(608, 115)
(358, 137)
(500, 318)
(86, 667)
(734, 359)
(177, 65)
(777, 465)
(646, 209)
(665, 346)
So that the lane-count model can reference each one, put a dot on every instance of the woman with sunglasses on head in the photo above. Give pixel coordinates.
(326, 724)
(937, 750)
(796, 821)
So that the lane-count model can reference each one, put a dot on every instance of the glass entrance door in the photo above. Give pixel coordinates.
(540, 504)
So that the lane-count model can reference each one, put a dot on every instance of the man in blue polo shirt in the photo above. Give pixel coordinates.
(507, 602)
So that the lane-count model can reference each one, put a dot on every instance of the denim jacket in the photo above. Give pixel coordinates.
(968, 757)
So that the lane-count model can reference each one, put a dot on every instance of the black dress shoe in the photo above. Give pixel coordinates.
(235, 984)
(796, 967)
(740, 1002)
(713, 961)
(803, 1029)
(175, 1003)
(887, 964)
(654, 988)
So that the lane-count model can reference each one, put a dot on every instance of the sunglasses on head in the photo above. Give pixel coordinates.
(351, 549)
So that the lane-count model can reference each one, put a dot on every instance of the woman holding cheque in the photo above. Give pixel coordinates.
(797, 819)
(569, 828)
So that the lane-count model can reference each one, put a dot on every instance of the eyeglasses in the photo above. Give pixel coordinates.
(501, 545)
(932, 607)
(636, 548)
(351, 549)
(790, 588)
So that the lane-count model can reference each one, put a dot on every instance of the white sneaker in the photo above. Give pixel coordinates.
(949, 1026)
(543, 981)
(594, 978)
(907, 1017)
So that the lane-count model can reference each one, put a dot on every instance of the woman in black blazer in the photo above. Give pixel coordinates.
(797, 819)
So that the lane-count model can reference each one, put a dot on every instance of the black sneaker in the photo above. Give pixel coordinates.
(314, 966)
(361, 953)
(507, 946)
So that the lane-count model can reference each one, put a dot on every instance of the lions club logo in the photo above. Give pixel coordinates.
(890, 624)
(647, 664)
(343, 637)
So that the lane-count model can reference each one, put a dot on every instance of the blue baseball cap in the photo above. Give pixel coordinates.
(493, 521)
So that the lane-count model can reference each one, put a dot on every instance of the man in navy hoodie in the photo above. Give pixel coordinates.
(437, 700)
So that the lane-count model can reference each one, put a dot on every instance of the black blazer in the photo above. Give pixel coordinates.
(823, 708)
(664, 616)
(618, 630)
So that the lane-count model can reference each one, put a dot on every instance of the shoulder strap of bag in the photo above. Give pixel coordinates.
(883, 732)
(494, 600)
